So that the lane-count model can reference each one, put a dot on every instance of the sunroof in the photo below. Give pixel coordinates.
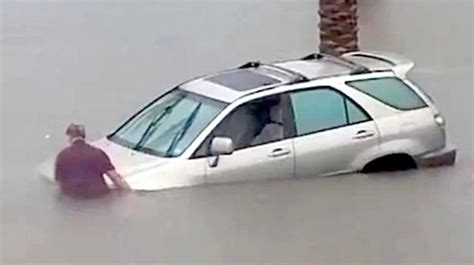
(243, 80)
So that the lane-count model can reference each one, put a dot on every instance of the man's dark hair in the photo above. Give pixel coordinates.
(76, 130)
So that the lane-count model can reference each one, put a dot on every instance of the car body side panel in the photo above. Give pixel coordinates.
(413, 132)
(365, 156)
(178, 173)
(334, 151)
(272, 160)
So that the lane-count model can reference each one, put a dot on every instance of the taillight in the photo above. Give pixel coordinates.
(439, 120)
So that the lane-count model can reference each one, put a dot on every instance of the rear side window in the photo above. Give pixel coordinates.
(391, 91)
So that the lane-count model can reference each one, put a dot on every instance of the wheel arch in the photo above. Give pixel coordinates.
(407, 147)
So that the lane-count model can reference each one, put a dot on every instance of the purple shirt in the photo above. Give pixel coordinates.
(80, 167)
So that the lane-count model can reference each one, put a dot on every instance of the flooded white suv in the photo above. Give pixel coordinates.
(315, 116)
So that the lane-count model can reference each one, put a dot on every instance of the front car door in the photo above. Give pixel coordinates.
(260, 133)
(332, 132)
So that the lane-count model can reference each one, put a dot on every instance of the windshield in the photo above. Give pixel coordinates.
(169, 125)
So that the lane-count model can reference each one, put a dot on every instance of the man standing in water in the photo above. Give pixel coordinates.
(80, 167)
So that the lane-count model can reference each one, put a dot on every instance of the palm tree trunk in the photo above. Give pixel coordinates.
(338, 26)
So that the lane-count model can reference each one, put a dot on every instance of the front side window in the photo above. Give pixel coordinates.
(391, 91)
(254, 123)
(322, 109)
(168, 126)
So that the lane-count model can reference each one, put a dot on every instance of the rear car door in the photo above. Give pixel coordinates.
(262, 146)
(332, 131)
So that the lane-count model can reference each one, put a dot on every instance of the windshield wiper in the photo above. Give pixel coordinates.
(154, 122)
(180, 134)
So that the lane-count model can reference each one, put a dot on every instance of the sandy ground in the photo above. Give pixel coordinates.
(97, 63)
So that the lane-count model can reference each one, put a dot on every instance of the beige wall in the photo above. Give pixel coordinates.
(438, 36)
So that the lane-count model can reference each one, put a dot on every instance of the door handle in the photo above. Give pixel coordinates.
(363, 134)
(278, 152)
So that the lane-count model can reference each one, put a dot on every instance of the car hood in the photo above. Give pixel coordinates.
(127, 162)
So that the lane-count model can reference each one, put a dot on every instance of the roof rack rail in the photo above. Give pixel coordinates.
(375, 57)
(252, 64)
(313, 56)
(356, 68)
(296, 77)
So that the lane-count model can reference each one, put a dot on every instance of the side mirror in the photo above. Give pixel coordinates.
(222, 146)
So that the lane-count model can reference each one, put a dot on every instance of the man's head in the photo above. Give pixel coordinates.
(75, 131)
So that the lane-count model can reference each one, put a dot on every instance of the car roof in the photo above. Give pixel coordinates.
(252, 77)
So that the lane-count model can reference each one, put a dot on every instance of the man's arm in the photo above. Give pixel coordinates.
(118, 180)
(110, 171)
(56, 169)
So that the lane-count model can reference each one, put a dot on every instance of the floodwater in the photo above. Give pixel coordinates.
(99, 62)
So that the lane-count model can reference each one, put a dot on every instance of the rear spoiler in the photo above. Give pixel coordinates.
(382, 61)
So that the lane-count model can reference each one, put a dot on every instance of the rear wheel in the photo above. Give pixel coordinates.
(394, 162)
